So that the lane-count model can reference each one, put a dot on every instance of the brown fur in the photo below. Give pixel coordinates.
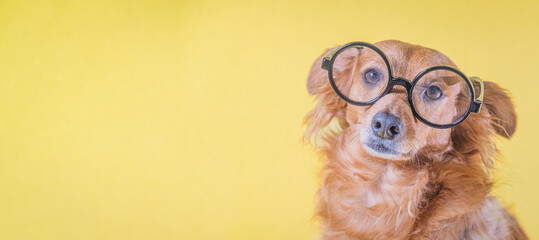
(439, 191)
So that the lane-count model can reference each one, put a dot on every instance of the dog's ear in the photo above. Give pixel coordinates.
(328, 105)
(503, 117)
(318, 77)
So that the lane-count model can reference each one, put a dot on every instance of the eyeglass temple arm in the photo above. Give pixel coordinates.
(478, 102)
(326, 61)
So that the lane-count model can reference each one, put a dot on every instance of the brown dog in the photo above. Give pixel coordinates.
(420, 182)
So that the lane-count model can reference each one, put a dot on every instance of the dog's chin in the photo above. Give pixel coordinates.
(381, 150)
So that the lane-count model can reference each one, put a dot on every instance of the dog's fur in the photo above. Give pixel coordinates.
(441, 190)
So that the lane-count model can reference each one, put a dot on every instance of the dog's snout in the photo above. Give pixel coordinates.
(386, 126)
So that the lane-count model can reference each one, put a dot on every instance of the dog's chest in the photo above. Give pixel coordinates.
(395, 193)
(382, 202)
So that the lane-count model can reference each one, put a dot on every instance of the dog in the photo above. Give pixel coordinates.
(422, 182)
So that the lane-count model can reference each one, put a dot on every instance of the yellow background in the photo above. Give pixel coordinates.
(183, 120)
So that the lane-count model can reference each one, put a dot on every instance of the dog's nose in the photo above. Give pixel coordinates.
(386, 126)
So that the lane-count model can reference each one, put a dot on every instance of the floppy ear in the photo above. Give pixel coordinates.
(318, 77)
(503, 117)
(328, 105)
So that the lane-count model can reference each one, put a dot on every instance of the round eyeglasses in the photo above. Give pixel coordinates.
(439, 96)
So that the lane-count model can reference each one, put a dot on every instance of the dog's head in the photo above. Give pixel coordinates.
(388, 128)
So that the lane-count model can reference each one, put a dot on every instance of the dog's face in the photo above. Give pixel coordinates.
(388, 129)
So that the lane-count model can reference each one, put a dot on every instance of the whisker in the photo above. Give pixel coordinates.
(356, 137)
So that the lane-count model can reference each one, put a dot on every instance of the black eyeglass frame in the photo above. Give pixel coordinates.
(474, 106)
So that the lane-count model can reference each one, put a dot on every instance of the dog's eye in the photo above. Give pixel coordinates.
(433, 92)
(371, 76)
